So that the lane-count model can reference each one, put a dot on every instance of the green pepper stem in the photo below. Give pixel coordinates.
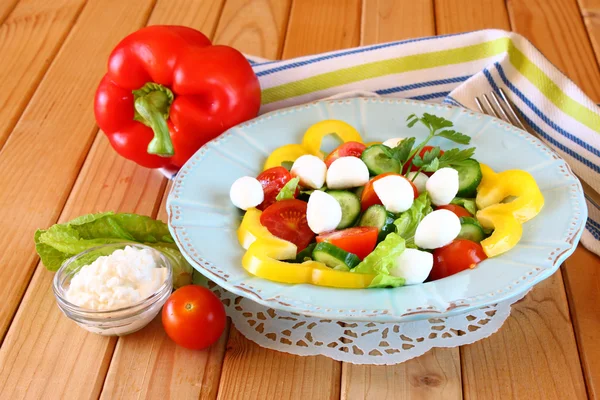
(152, 104)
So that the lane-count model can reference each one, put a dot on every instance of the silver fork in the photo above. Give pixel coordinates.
(501, 107)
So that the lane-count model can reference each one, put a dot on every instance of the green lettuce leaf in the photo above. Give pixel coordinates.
(406, 224)
(381, 260)
(288, 190)
(63, 241)
(467, 204)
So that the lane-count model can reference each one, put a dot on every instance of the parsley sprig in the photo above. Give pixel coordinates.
(433, 159)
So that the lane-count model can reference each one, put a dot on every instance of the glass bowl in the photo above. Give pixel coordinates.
(121, 321)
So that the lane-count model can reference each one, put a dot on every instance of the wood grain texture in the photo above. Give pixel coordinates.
(148, 364)
(534, 355)
(252, 372)
(317, 26)
(590, 10)
(6, 7)
(389, 20)
(435, 375)
(43, 25)
(44, 353)
(559, 33)
(255, 27)
(44, 154)
(452, 16)
(556, 28)
(582, 278)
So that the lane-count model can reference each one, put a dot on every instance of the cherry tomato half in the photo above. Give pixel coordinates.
(272, 180)
(194, 317)
(369, 197)
(424, 150)
(360, 240)
(457, 256)
(286, 219)
(458, 210)
(348, 149)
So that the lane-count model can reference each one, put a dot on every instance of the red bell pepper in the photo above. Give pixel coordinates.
(168, 91)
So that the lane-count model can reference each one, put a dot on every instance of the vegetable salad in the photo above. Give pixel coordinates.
(379, 214)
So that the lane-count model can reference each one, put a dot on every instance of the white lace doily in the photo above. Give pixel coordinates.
(359, 342)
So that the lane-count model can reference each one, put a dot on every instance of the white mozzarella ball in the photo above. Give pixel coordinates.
(323, 212)
(311, 170)
(420, 181)
(395, 192)
(413, 265)
(347, 172)
(437, 229)
(393, 142)
(442, 186)
(246, 192)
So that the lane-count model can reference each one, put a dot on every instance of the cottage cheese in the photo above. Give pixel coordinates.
(119, 280)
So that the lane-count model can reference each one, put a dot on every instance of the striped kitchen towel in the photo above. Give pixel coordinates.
(454, 69)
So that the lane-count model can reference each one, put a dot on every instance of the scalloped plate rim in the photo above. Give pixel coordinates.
(455, 307)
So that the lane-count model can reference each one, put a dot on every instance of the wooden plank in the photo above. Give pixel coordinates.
(43, 155)
(6, 7)
(317, 26)
(161, 368)
(255, 27)
(44, 353)
(555, 27)
(388, 20)
(435, 374)
(536, 347)
(554, 31)
(590, 10)
(582, 279)
(250, 371)
(469, 15)
(42, 25)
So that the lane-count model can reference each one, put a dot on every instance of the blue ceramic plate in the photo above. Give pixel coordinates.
(203, 221)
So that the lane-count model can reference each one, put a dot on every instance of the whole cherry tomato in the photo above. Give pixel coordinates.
(194, 317)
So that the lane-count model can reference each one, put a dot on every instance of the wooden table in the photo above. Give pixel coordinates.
(55, 165)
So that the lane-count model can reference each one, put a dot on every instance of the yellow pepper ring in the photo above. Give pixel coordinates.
(506, 218)
(289, 152)
(314, 135)
(265, 252)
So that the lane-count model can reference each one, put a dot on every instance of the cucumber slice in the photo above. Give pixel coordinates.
(471, 229)
(378, 217)
(350, 204)
(306, 254)
(378, 160)
(359, 191)
(469, 177)
(334, 257)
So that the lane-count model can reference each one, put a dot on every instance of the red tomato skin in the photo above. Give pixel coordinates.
(286, 219)
(369, 197)
(272, 180)
(456, 209)
(360, 240)
(348, 149)
(193, 317)
(457, 256)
